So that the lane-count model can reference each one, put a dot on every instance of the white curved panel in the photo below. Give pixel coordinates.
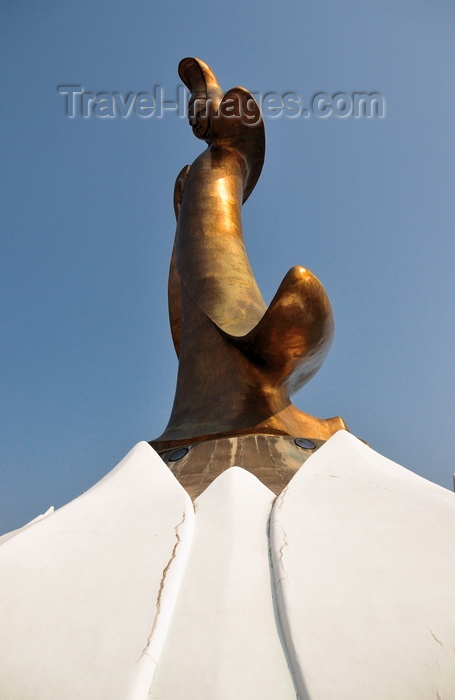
(86, 593)
(223, 642)
(363, 555)
(13, 533)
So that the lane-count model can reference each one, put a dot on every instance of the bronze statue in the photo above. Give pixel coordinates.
(239, 361)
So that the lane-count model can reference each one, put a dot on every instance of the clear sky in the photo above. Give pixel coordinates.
(87, 223)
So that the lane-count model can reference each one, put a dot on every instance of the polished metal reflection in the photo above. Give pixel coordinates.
(239, 361)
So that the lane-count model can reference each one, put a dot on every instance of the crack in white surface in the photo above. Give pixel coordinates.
(438, 665)
(276, 610)
(281, 497)
(281, 554)
(161, 588)
(438, 641)
(283, 539)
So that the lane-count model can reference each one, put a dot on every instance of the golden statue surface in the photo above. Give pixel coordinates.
(239, 361)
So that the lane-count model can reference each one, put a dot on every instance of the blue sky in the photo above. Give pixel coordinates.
(88, 367)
